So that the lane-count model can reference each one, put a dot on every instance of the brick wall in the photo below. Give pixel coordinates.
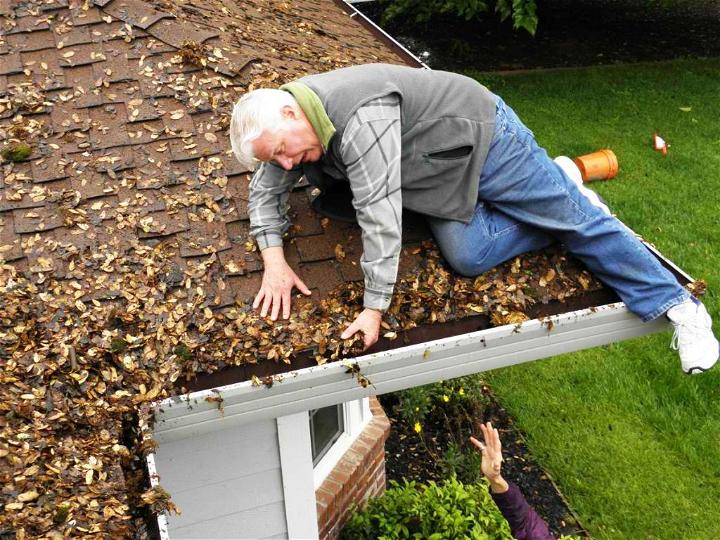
(358, 475)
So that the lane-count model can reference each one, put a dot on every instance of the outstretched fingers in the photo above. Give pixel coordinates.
(276, 305)
(486, 433)
(495, 439)
(477, 444)
(258, 298)
(286, 301)
(267, 303)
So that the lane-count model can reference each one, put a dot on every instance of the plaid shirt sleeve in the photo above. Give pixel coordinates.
(370, 150)
(267, 205)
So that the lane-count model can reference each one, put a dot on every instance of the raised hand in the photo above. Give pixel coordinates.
(491, 451)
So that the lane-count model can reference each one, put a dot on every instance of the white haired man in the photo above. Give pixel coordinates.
(444, 146)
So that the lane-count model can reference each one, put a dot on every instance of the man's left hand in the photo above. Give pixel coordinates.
(369, 322)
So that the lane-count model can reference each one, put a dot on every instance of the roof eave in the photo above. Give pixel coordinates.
(405, 367)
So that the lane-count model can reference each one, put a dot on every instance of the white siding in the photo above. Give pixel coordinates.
(228, 483)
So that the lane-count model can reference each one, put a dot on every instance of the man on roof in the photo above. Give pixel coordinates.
(442, 145)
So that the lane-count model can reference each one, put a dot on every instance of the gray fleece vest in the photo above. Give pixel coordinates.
(447, 125)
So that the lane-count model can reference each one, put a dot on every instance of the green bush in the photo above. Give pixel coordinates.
(432, 511)
(463, 461)
(522, 12)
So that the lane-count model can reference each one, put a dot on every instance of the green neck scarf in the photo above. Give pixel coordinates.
(313, 109)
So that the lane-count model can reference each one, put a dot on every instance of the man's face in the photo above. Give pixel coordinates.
(293, 142)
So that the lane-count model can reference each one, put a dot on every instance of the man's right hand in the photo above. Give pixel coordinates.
(277, 285)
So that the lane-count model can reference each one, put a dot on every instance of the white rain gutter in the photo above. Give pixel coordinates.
(405, 367)
(162, 520)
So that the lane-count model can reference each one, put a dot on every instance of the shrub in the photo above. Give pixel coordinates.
(430, 511)
(461, 460)
(523, 13)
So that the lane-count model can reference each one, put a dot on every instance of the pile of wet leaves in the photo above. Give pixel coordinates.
(435, 294)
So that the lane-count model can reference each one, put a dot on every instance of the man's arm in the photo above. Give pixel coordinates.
(267, 208)
(267, 205)
(371, 152)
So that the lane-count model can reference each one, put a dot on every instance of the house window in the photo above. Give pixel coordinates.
(326, 426)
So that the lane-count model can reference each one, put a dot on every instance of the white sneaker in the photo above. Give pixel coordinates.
(573, 173)
(693, 337)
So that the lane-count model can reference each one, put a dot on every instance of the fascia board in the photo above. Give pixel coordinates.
(401, 368)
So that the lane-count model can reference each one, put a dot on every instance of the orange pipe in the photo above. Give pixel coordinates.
(600, 165)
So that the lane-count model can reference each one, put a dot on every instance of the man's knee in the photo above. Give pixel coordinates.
(464, 263)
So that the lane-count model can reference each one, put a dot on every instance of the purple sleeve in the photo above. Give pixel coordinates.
(525, 523)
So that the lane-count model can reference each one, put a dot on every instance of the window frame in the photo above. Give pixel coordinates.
(356, 415)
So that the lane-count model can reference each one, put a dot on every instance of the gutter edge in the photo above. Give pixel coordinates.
(409, 58)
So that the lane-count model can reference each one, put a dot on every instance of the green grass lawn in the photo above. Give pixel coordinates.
(632, 442)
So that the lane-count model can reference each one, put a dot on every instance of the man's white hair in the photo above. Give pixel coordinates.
(254, 113)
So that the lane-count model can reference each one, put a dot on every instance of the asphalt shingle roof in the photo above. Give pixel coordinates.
(129, 128)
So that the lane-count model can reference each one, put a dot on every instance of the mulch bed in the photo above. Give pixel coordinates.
(413, 456)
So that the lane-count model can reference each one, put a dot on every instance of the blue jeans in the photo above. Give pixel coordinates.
(526, 202)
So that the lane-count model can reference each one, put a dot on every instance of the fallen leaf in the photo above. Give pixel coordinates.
(28, 496)
(339, 253)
